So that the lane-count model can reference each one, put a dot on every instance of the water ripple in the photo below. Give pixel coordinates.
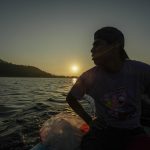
(25, 103)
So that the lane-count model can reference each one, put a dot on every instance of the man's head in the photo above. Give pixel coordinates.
(108, 46)
(111, 35)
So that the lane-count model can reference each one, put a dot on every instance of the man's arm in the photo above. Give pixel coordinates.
(76, 106)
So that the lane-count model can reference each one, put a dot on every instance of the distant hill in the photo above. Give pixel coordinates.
(13, 70)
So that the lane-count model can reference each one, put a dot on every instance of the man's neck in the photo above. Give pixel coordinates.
(114, 66)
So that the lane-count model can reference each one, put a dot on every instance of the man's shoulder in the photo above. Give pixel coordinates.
(89, 75)
(136, 67)
(90, 71)
(137, 64)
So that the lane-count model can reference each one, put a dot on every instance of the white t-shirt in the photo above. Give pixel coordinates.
(117, 96)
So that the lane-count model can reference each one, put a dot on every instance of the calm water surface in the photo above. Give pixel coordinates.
(25, 103)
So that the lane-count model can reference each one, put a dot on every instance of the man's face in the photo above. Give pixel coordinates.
(102, 52)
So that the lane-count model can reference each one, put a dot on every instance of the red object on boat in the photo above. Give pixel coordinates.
(84, 128)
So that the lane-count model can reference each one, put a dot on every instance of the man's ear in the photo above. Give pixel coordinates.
(117, 48)
(117, 45)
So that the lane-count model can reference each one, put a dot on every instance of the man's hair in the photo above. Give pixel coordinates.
(112, 35)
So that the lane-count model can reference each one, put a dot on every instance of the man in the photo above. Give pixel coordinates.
(116, 84)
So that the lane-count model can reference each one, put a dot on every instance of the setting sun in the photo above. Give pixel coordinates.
(74, 68)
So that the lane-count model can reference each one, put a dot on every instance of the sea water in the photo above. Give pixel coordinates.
(25, 103)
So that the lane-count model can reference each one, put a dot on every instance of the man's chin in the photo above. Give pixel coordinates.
(97, 63)
(102, 66)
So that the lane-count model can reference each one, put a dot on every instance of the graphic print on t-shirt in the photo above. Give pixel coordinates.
(118, 104)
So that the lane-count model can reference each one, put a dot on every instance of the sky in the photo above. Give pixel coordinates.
(54, 35)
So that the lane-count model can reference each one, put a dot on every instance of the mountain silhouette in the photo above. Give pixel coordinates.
(13, 70)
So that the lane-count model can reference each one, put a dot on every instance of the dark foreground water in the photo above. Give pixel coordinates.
(25, 103)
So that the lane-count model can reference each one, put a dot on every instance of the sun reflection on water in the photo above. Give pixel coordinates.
(74, 80)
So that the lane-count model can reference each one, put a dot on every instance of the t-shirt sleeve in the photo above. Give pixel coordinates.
(79, 88)
(145, 72)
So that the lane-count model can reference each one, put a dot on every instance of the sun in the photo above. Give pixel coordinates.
(74, 68)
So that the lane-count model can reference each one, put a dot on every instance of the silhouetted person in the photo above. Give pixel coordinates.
(116, 84)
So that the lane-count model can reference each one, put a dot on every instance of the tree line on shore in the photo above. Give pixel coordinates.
(13, 70)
